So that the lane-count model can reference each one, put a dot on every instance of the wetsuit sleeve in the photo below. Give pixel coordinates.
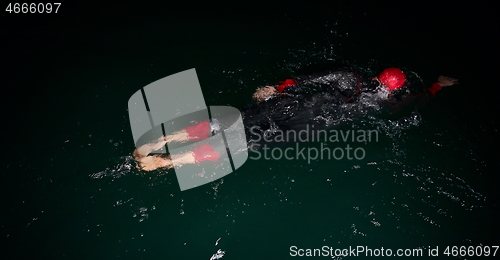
(344, 80)
(420, 99)
(315, 80)
(287, 84)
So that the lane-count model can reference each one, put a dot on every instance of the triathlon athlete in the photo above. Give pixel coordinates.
(282, 106)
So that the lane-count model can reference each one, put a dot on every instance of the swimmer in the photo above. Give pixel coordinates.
(346, 84)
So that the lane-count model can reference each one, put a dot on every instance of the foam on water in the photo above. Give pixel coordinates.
(126, 166)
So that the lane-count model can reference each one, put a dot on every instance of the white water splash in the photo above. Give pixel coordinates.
(116, 171)
(218, 255)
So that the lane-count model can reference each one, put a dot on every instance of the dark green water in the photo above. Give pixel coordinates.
(68, 190)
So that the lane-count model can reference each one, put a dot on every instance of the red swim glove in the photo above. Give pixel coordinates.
(199, 131)
(434, 88)
(284, 84)
(205, 152)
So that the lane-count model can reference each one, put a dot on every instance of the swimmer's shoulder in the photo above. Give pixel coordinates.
(321, 68)
(320, 72)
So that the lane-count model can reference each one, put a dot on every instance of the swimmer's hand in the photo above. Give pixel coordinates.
(264, 93)
(445, 81)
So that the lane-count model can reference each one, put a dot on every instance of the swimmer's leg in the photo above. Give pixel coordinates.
(199, 131)
(146, 149)
(204, 152)
(181, 159)
(149, 163)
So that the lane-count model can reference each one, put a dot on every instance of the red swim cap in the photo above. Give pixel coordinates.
(284, 84)
(392, 78)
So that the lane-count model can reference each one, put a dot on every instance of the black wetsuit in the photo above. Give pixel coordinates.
(344, 83)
